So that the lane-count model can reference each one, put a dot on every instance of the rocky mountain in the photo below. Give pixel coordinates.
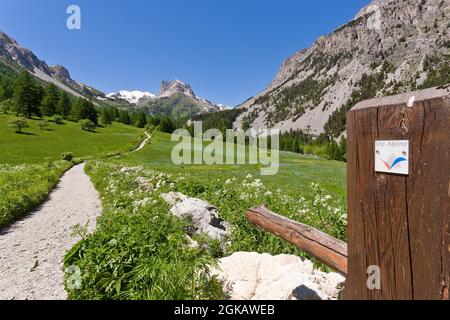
(176, 99)
(17, 57)
(169, 88)
(391, 46)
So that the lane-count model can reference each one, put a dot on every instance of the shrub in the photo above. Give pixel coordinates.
(166, 125)
(19, 124)
(308, 150)
(5, 106)
(150, 128)
(58, 119)
(43, 124)
(87, 125)
(67, 156)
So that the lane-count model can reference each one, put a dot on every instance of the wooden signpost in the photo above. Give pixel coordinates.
(398, 152)
(399, 196)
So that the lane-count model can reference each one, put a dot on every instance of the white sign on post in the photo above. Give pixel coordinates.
(392, 156)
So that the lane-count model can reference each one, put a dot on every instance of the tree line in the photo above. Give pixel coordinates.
(323, 145)
(295, 141)
(28, 98)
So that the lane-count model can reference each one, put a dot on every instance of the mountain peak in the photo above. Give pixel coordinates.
(168, 88)
(60, 72)
(10, 49)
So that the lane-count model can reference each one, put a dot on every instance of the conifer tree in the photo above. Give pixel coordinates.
(26, 97)
(64, 105)
(50, 101)
(141, 120)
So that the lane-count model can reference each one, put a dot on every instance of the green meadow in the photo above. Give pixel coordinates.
(35, 145)
(139, 250)
(30, 162)
(296, 172)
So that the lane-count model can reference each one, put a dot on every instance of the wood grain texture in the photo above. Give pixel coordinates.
(331, 251)
(400, 223)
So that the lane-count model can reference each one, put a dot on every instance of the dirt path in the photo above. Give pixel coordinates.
(143, 143)
(32, 249)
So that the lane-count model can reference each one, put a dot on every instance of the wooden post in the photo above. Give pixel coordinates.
(400, 223)
(325, 248)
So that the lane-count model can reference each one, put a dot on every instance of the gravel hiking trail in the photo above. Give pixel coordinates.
(143, 143)
(32, 249)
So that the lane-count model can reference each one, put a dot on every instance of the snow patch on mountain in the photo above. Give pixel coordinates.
(132, 96)
(223, 107)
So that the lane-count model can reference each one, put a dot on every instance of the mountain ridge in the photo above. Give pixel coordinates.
(13, 53)
(175, 98)
(388, 47)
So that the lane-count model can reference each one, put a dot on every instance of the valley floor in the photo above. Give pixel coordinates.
(139, 250)
(32, 249)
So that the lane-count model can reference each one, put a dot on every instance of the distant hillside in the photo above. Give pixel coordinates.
(391, 46)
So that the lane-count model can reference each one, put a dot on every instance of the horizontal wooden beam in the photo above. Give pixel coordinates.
(331, 251)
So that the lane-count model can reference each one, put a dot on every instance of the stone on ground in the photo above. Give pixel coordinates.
(203, 216)
(253, 276)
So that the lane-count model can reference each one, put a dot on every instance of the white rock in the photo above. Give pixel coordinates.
(253, 276)
(173, 198)
(192, 243)
(203, 216)
(144, 183)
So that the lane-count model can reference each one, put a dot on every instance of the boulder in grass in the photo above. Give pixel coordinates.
(173, 198)
(203, 216)
(125, 170)
(253, 276)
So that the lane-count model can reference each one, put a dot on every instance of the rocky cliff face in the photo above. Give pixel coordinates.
(60, 73)
(169, 88)
(391, 46)
(15, 55)
(10, 49)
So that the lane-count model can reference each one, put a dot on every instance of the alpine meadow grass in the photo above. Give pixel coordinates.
(140, 251)
(34, 145)
(25, 186)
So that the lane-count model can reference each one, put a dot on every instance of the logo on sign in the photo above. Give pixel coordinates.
(392, 156)
(395, 161)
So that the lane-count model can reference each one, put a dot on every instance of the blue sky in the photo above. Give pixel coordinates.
(228, 50)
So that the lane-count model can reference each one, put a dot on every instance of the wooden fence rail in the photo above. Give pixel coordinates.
(331, 251)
